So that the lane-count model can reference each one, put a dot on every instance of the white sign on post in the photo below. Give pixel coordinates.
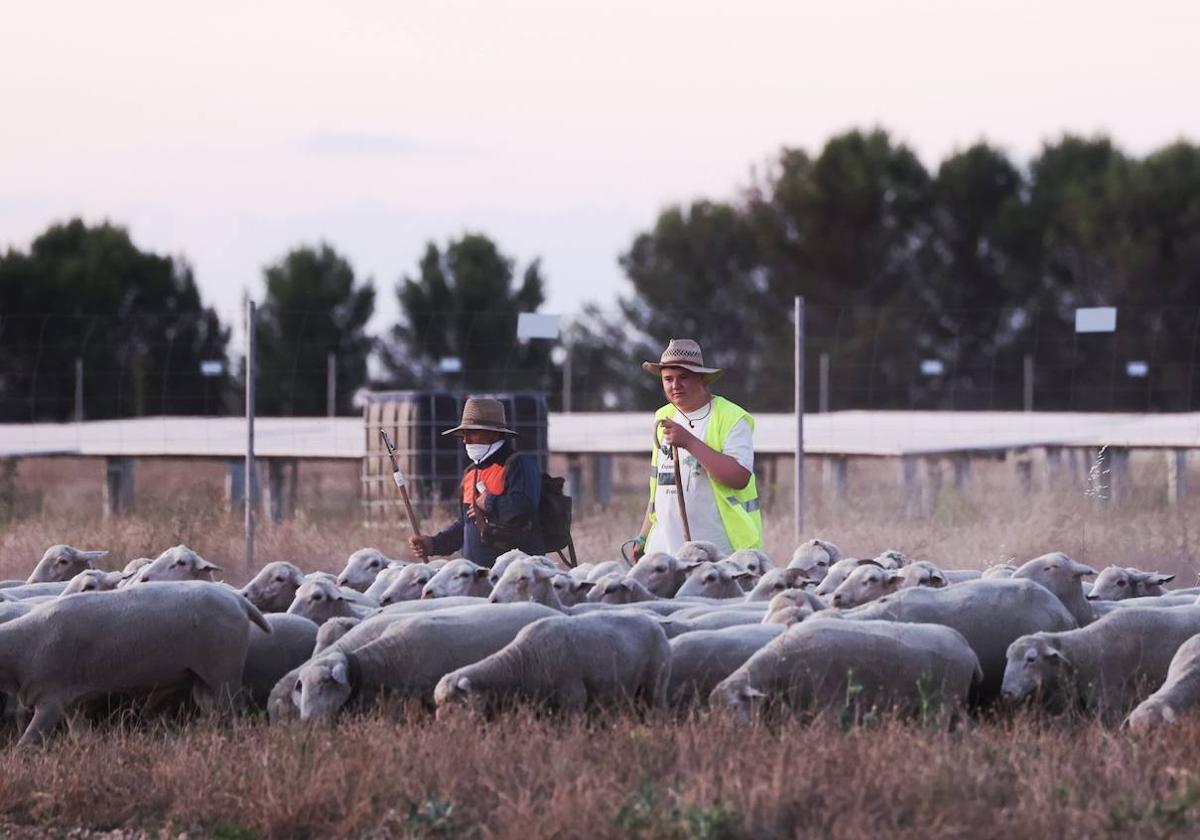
(532, 325)
(1096, 319)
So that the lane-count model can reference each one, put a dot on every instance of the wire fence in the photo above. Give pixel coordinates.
(56, 367)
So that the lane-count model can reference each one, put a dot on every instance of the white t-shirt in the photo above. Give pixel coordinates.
(703, 517)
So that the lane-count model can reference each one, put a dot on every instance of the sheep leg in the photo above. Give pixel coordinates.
(46, 716)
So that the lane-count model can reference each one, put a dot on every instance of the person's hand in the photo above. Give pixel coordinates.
(676, 435)
(639, 548)
(421, 546)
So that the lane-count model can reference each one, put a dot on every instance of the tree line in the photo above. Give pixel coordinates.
(972, 266)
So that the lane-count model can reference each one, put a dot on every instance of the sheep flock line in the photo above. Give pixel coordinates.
(826, 633)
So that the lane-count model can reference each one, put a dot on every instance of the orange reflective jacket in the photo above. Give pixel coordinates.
(492, 477)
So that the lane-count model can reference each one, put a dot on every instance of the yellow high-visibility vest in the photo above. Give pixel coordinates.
(738, 508)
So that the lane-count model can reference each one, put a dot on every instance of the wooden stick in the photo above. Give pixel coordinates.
(399, 479)
(408, 508)
(687, 531)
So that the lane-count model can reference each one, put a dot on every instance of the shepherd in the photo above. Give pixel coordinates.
(702, 478)
(501, 491)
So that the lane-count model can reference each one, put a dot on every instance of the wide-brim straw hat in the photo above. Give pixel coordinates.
(482, 414)
(683, 353)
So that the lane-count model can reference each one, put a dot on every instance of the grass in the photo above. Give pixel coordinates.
(397, 772)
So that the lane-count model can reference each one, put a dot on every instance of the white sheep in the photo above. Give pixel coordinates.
(409, 657)
(661, 573)
(526, 580)
(92, 580)
(176, 564)
(568, 664)
(361, 569)
(1062, 576)
(458, 577)
(141, 638)
(923, 573)
(866, 583)
(814, 558)
(274, 587)
(860, 666)
(321, 600)
(1116, 583)
(775, 581)
(1179, 693)
(408, 584)
(838, 572)
(701, 659)
(60, 563)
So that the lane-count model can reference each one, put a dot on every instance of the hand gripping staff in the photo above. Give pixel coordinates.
(687, 531)
(398, 477)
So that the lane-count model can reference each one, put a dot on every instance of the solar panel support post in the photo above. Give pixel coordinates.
(250, 483)
(798, 498)
(331, 384)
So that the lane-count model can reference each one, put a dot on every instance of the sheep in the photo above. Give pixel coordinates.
(1115, 583)
(502, 562)
(581, 571)
(60, 563)
(274, 587)
(151, 637)
(1180, 692)
(661, 573)
(92, 580)
(695, 552)
(838, 572)
(608, 567)
(361, 569)
(814, 558)
(271, 655)
(570, 590)
(567, 663)
(739, 574)
(385, 578)
(752, 560)
(524, 579)
(961, 575)
(408, 584)
(1061, 575)
(866, 583)
(922, 573)
(409, 657)
(701, 659)
(1107, 667)
(458, 577)
(176, 564)
(998, 570)
(798, 603)
(775, 581)
(676, 625)
(892, 559)
(868, 666)
(35, 590)
(320, 600)
(709, 580)
(990, 614)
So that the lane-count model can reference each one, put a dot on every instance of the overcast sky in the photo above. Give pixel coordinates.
(230, 132)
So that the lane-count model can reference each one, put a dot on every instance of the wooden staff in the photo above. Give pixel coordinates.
(687, 531)
(399, 479)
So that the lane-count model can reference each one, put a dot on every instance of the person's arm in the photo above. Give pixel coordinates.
(446, 541)
(724, 468)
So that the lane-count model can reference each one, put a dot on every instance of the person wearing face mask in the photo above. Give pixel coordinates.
(500, 493)
(713, 439)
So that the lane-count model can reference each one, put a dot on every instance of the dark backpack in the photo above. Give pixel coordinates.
(554, 515)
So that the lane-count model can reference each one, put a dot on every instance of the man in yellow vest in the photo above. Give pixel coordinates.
(714, 441)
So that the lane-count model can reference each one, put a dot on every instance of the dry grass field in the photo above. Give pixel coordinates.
(398, 772)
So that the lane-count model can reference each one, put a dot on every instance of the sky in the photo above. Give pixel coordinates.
(230, 132)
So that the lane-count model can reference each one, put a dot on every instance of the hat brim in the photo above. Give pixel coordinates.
(463, 427)
(709, 374)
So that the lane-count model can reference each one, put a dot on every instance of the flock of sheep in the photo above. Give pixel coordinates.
(824, 633)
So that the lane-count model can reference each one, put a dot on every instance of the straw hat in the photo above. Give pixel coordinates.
(484, 414)
(683, 353)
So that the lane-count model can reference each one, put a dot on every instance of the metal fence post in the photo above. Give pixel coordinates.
(798, 499)
(249, 492)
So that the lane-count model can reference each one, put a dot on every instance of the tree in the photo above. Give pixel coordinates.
(464, 304)
(314, 306)
(135, 319)
(847, 230)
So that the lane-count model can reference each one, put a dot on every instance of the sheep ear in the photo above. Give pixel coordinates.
(894, 580)
(206, 566)
(463, 684)
(481, 572)
(92, 555)
(1082, 569)
(874, 563)
(751, 691)
(626, 584)
(688, 565)
(578, 586)
(1156, 579)
(1058, 654)
(742, 574)
(339, 674)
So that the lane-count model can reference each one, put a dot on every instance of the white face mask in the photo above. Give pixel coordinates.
(478, 452)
